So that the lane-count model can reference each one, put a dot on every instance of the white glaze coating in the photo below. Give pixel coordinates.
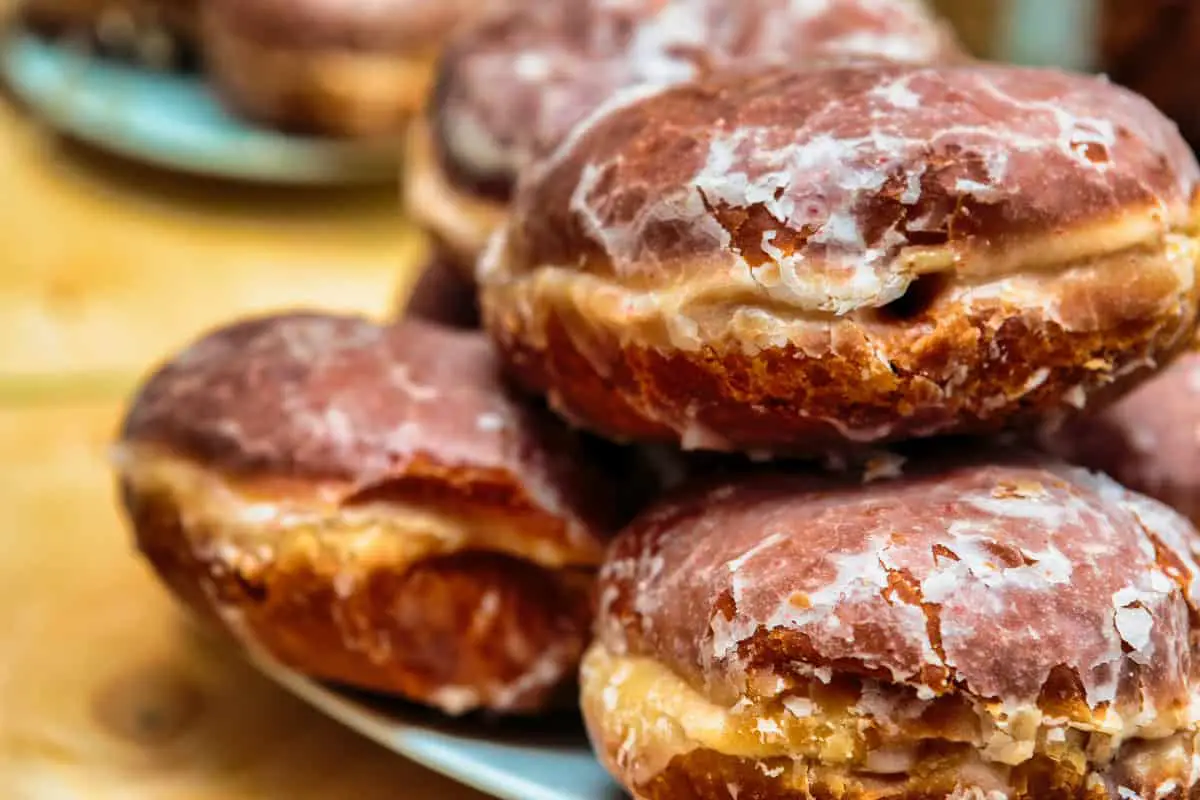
(978, 581)
(514, 89)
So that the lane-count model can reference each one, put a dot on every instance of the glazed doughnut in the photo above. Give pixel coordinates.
(442, 294)
(355, 69)
(368, 506)
(796, 261)
(513, 85)
(1148, 440)
(159, 33)
(1017, 629)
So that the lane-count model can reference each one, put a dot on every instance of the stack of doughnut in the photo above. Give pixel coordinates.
(911, 338)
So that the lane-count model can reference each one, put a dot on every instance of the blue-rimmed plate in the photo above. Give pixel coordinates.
(173, 120)
(528, 760)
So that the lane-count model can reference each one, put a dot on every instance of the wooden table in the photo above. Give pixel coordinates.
(105, 267)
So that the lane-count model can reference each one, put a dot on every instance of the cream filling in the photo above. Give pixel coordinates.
(648, 715)
(731, 309)
(462, 221)
(230, 524)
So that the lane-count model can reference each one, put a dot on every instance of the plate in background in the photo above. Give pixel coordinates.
(524, 760)
(174, 120)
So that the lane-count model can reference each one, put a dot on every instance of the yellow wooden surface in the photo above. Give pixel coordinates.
(105, 267)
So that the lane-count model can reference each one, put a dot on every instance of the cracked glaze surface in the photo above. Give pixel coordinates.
(809, 188)
(959, 579)
(513, 87)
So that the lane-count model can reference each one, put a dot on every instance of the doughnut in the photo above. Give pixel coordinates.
(368, 506)
(795, 262)
(514, 84)
(1148, 440)
(350, 69)
(1007, 628)
(442, 294)
(159, 33)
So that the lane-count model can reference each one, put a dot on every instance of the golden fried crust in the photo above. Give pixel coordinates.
(707, 775)
(459, 631)
(962, 364)
(794, 261)
(1148, 440)
(662, 743)
(511, 87)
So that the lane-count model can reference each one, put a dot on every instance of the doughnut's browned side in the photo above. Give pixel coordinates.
(1019, 368)
(460, 631)
(708, 775)
(795, 261)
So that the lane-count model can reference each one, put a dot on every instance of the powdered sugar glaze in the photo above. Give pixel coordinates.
(819, 191)
(513, 87)
(980, 580)
(341, 398)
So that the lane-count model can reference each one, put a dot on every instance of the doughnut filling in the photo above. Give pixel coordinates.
(1148, 440)
(325, 67)
(514, 85)
(368, 506)
(1019, 629)
(802, 261)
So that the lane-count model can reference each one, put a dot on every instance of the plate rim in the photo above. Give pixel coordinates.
(368, 722)
(310, 160)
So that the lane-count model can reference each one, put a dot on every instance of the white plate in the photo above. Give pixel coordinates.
(530, 760)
